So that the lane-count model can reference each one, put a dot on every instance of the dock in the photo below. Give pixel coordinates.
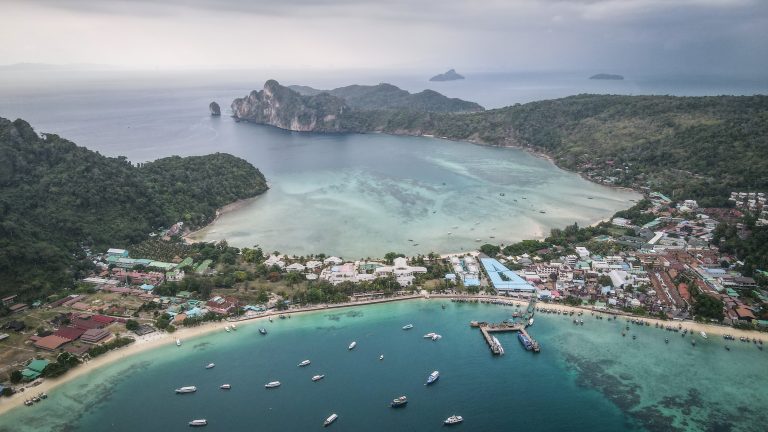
(487, 330)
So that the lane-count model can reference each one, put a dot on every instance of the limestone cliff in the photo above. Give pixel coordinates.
(284, 108)
(215, 109)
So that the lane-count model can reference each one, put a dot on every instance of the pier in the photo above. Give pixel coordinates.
(487, 330)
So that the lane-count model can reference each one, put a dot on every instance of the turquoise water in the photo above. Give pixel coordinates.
(587, 378)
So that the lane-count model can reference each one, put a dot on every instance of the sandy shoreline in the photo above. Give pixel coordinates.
(158, 339)
(189, 236)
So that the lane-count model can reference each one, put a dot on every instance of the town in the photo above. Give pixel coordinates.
(657, 260)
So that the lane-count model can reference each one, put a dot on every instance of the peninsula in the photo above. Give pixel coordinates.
(451, 75)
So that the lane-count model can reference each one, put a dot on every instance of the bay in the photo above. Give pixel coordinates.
(587, 378)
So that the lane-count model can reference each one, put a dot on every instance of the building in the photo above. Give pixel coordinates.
(94, 336)
(34, 369)
(51, 343)
(120, 253)
(503, 279)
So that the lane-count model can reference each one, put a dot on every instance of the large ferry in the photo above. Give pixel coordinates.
(525, 341)
(454, 419)
(332, 418)
(187, 389)
(432, 377)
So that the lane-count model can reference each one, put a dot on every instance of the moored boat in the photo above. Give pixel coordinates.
(704, 335)
(227, 329)
(272, 384)
(234, 327)
(186, 389)
(434, 376)
(210, 365)
(525, 341)
(437, 337)
(530, 322)
(352, 345)
(399, 402)
(304, 363)
(429, 335)
(262, 330)
(199, 422)
(178, 342)
(225, 386)
(331, 418)
(381, 357)
(407, 326)
(454, 419)
(318, 377)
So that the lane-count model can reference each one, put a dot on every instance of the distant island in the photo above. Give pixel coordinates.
(451, 75)
(215, 109)
(604, 76)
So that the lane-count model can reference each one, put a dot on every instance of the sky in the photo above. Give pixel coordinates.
(619, 36)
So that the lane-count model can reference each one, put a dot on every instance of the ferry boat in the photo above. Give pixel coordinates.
(272, 384)
(318, 377)
(429, 335)
(525, 341)
(407, 326)
(704, 335)
(187, 389)
(331, 418)
(178, 342)
(210, 365)
(434, 376)
(199, 422)
(225, 386)
(399, 402)
(262, 330)
(352, 345)
(304, 363)
(454, 419)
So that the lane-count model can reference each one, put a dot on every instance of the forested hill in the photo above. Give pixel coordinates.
(688, 147)
(56, 197)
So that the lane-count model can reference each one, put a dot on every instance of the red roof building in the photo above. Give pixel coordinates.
(86, 324)
(52, 342)
(103, 319)
(71, 333)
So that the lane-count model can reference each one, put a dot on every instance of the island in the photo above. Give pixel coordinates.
(215, 109)
(451, 75)
(605, 76)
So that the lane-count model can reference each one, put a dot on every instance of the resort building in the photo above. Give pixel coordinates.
(503, 279)
(401, 271)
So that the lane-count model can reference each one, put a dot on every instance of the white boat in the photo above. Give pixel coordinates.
(234, 327)
(432, 377)
(704, 335)
(227, 329)
(436, 337)
(381, 357)
(187, 389)
(178, 342)
(318, 377)
(272, 384)
(210, 365)
(331, 418)
(199, 422)
(454, 419)
(407, 326)
(530, 322)
(352, 345)
(304, 363)
(498, 345)
(225, 386)
(429, 335)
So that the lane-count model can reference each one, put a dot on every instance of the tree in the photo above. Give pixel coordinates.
(490, 250)
(16, 377)
(292, 278)
(132, 325)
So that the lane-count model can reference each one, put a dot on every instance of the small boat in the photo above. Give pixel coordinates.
(272, 384)
(187, 389)
(352, 345)
(434, 376)
(704, 335)
(281, 316)
(666, 340)
(178, 342)
(304, 363)
(727, 348)
(210, 365)
(270, 319)
(43, 396)
(225, 386)
(262, 330)
(318, 377)
(454, 419)
(199, 422)
(227, 329)
(234, 327)
(407, 326)
(331, 418)
(429, 335)
(530, 322)
(399, 402)
(436, 337)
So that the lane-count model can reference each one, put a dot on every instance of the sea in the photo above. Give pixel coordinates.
(587, 378)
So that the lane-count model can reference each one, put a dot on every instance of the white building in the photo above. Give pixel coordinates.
(583, 252)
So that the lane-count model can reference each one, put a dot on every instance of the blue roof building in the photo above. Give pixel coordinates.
(504, 279)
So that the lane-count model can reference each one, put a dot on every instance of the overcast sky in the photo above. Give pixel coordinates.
(688, 36)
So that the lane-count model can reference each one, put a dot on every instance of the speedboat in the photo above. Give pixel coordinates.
(331, 418)
(432, 377)
(381, 357)
(704, 335)
(178, 342)
(352, 345)
(225, 386)
(304, 363)
(199, 422)
(407, 326)
(318, 377)
(454, 419)
(187, 389)
(263, 331)
(272, 384)
(429, 335)
(401, 401)
(436, 337)
(210, 365)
